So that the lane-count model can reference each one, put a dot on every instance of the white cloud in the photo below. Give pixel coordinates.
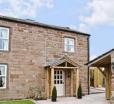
(101, 13)
(73, 27)
(21, 8)
(83, 27)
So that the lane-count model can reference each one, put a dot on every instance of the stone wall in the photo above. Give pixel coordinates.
(30, 48)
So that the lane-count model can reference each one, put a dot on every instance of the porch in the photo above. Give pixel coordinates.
(64, 74)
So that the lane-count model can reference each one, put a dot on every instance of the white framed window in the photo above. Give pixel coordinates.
(4, 38)
(3, 76)
(68, 44)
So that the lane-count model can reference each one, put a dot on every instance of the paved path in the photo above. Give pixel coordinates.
(94, 90)
(88, 99)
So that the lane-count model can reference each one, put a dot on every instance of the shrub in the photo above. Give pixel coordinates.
(36, 93)
(79, 94)
(54, 94)
(1, 81)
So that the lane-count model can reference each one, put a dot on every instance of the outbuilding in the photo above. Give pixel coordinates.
(106, 61)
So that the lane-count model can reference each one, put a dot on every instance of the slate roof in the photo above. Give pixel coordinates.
(35, 23)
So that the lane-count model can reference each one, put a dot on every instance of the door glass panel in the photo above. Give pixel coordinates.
(54, 81)
(57, 81)
(61, 82)
(61, 77)
(58, 77)
(54, 72)
(57, 72)
(60, 72)
(55, 77)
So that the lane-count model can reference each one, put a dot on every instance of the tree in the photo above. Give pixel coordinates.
(79, 95)
(54, 94)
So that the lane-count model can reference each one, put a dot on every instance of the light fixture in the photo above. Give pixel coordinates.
(102, 69)
(113, 66)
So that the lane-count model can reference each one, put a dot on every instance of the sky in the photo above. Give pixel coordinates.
(95, 17)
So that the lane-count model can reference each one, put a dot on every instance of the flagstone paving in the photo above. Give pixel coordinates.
(88, 99)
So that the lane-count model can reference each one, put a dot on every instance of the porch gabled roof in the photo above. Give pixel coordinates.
(60, 61)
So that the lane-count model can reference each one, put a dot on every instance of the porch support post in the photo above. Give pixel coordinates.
(77, 80)
(47, 82)
(72, 78)
(108, 83)
(52, 79)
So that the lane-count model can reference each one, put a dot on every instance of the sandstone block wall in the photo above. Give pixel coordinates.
(30, 48)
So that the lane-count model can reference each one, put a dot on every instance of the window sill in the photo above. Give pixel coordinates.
(69, 52)
(2, 88)
(4, 50)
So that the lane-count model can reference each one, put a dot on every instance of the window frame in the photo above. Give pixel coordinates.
(69, 45)
(8, 41)
(5, 76)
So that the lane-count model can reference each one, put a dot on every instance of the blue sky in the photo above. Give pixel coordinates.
(95, 17)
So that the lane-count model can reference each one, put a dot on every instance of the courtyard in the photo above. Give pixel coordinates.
(88, 99)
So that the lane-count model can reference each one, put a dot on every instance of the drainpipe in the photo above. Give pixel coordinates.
(88, 74)
(45, 51)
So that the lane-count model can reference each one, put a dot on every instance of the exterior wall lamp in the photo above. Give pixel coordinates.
(113, 67)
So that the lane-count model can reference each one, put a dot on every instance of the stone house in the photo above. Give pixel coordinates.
(36, 55)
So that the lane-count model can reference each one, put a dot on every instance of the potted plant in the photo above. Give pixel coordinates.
(1, 81)
(54, 94)
(79, 94)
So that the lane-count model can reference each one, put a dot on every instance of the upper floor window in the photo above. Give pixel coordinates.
(4, 38)
(3, 75)
(69, 44)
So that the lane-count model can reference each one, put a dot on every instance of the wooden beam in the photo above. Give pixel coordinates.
(77, 80)
(59, 67)
(52, 79)
(72, 79)
(108, 83)
(65, 64)
(47, 82)
(104, 74)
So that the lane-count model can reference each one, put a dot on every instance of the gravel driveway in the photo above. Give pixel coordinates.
(88, 99)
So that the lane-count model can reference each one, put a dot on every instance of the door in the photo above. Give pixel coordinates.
(59, 82)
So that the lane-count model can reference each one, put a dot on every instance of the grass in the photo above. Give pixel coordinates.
(17, 102)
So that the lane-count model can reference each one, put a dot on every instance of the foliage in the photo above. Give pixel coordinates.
(79, 94)
(1, 81)
(17, 102)
(54, 94)
(36, 93)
